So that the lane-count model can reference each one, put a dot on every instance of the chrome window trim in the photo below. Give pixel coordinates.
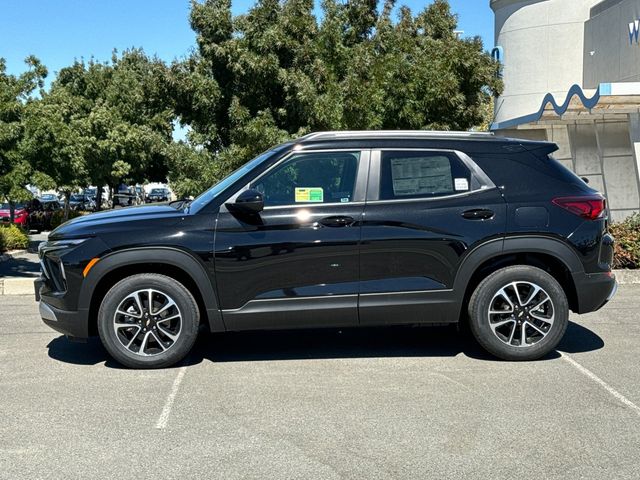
(431, 199)
(310, 205)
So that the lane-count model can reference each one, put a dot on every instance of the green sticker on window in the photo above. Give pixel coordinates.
(309, 194)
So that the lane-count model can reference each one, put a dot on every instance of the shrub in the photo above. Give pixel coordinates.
(58, 216)
(627, 249)
(13, 237)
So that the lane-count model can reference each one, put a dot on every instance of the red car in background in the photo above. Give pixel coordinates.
(21, 215)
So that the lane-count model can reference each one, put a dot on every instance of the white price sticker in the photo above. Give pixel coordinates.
(461, 184)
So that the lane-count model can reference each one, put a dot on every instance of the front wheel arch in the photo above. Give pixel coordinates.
(171, 262)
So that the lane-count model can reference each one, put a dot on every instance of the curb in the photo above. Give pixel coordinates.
(17, 286)
(24, 285)
(627, 277)
(10, 254)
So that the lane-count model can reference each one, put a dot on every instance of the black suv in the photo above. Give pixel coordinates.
(343, 229)
(158, 195)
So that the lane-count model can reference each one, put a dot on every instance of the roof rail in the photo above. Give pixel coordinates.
(393, 133)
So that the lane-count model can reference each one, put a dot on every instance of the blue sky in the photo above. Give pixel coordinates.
(58, 31)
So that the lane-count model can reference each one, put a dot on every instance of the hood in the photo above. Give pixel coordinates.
(130, 217)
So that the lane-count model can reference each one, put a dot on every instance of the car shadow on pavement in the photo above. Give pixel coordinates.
(19, 267)
(324, 344)
(90, 352)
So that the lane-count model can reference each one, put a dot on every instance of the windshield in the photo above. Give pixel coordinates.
(233, 177)
(157, 191)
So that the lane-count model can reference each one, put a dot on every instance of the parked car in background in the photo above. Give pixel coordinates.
(50, 202)
(21, 215)
(49, 197)
(123, 198)
(41, 213)
(158, 195)
(82, 201)
(138, 190)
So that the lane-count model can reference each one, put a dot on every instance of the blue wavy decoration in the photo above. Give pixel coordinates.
(575, 90)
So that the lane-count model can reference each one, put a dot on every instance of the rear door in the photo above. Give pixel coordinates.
(296, 264)
(426, 209)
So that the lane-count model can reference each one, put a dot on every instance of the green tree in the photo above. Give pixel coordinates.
(277, 72)
(52, 143)
(123, 121)
(15, 95)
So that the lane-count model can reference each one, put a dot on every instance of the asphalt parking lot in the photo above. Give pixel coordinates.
(374, 403)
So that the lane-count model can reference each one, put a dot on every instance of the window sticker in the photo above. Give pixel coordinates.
(309, 194)
(461, 184)
(420, 176)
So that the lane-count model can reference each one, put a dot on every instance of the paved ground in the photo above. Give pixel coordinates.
(382, 403)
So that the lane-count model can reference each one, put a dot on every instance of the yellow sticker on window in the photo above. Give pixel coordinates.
(309, 194)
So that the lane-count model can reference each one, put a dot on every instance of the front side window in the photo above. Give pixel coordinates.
(422, 174)
(308, 178)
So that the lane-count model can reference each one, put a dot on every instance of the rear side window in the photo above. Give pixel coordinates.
(422, 174)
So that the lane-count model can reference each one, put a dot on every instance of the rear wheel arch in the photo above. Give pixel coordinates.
(174, 263)
(548, 254)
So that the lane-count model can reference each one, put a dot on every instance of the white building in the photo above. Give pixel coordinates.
(571, 71)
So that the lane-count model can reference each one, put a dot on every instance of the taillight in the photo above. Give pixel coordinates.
(589, 207)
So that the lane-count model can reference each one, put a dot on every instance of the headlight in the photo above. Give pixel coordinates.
(52, 267)
(47, 247)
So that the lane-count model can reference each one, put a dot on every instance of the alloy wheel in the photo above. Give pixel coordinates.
(147, 322)
(521, 314)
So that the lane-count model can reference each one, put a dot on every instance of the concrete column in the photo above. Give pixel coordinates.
(586, 155)
(634, 136)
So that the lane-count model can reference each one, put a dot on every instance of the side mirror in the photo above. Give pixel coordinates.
(250, 201)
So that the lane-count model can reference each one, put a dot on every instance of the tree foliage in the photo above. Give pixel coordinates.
(253, 81)
(15, 98)
(123, 120)
(278, 71)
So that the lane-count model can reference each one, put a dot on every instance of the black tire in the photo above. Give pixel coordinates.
(185, 306)
(509, 348)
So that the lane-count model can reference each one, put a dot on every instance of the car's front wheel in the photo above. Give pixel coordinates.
(148, 321)
(519, 313)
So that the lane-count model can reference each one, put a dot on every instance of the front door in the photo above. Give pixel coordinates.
(296, 264)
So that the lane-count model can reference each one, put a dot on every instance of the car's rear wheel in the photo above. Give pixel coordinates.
(148, 321)
(519, 313)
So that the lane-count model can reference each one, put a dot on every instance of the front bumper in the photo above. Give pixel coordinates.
(73, 324)
(594, 290)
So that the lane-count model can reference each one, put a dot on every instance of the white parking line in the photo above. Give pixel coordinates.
(588, 373)
(166, 411)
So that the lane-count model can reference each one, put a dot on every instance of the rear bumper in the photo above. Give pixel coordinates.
(594, 290)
